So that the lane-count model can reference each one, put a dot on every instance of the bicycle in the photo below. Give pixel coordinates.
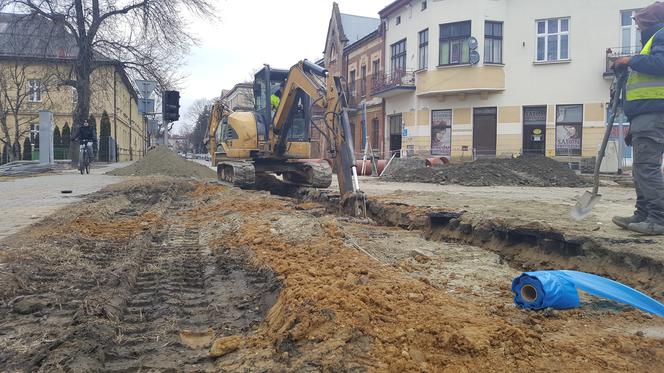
(85, 157)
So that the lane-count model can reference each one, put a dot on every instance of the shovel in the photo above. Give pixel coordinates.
(588, 200)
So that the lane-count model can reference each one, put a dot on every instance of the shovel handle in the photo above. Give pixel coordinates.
(618, 95)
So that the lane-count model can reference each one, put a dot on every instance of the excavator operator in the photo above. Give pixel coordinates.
(276, 98)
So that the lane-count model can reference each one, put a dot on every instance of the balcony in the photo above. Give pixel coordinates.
(461, 79)
(613, 54)
(393, 83)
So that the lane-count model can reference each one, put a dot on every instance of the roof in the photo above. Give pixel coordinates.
(364, 40)
(393, 7)
(357, 27)
(352, 28)
(34, 37)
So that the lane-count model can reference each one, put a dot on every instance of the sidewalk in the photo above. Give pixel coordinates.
(25, 200)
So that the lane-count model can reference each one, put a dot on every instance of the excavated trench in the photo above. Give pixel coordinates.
(523, 248)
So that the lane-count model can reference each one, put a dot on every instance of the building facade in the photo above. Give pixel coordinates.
(354, 49)
(240, 97)
(469, 78)
(35, 59)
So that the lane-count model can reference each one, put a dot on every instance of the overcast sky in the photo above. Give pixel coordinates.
(250, 33)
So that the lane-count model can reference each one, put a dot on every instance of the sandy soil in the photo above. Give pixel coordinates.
(357, 296)
(160, 273)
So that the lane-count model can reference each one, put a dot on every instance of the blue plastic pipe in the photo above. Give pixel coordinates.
(559, 290)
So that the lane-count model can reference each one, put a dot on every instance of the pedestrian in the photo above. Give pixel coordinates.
(644, 106)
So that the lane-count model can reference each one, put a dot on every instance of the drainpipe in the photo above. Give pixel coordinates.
(131, 125)
(115, 114)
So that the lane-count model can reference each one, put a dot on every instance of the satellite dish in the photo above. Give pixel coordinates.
(474, 57)
(472, 43)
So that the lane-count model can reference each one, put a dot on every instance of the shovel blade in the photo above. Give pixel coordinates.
(585, 205)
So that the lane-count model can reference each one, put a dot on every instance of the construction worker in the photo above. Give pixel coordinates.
(644, 107)
(275, 98)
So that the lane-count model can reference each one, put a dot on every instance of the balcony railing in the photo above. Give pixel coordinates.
(393, 79)
(612, 54)
(357, 93)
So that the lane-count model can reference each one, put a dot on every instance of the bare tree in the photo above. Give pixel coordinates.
(196, 120)
(195, 110)
(24, 90)
(146, 37)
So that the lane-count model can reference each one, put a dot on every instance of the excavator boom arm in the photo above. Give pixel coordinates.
(219, 111)
(325, 91)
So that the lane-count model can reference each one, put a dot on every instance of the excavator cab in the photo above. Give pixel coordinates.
(266, 82)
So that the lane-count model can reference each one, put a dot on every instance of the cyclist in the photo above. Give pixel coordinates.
(86, 136)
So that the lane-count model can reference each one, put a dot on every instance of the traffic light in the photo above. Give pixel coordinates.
(171, 106)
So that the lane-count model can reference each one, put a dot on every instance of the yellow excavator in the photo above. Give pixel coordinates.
(246, 145)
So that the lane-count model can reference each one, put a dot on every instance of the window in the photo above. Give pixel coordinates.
(74, 96)
(351, 83)
(375, 69)
(34, 135)
(630, 41)
(34, 90)
(454, 43)
(398, 63)
(493, 42)
(553, 40)
(424, 49)
(363, 80)
(375, 134)
(424, 5)
(398, 20)
(569, 129)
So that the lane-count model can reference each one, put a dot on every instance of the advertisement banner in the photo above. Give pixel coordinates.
(441, 132)
(568, 139)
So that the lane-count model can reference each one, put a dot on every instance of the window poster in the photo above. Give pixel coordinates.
(441, 132)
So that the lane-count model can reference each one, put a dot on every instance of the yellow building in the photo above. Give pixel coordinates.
(36, 60)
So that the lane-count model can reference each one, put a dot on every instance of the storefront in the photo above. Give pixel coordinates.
(534, 130)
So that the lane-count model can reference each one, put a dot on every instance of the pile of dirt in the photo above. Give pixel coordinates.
(521, 171)
(162, 161)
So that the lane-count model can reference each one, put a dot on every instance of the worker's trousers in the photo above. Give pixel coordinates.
(648, 145)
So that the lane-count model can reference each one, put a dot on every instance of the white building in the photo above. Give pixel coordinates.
(540, 82)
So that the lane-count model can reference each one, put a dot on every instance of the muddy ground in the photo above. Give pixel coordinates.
(164, 274)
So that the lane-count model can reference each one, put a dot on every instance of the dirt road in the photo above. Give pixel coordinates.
(165, 274)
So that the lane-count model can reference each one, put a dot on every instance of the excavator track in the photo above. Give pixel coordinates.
(317, 175)
(238, 174)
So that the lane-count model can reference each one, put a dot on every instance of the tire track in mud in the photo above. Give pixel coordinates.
(169, 295)
(152, 302)
(183, 297)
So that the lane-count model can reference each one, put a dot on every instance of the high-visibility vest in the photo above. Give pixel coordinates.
(274, 101)
(642, 86)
